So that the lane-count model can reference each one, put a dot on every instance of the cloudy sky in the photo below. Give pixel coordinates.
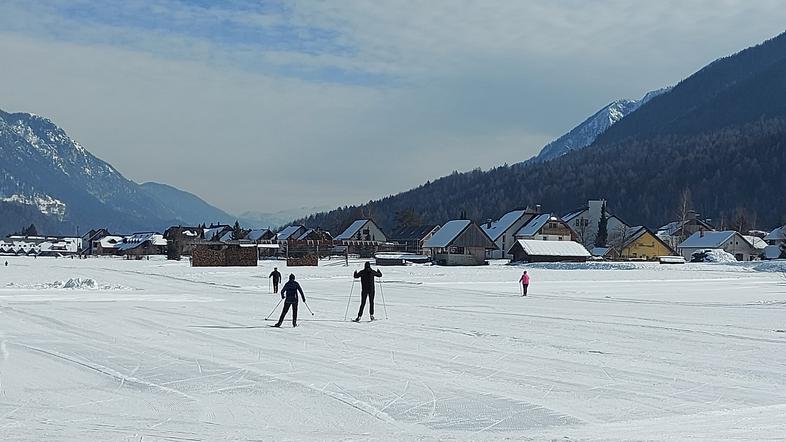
(269, 105)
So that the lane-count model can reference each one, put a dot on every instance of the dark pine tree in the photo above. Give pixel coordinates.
(237, 232)
(603, 228)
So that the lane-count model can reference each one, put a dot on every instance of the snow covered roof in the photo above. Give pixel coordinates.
(599, 251)
(353, 229)
(778, 234)
(755, 241)
(772, 252)
(287, 232)
(257, 234)
(570, 215)
(498, 228)
(305, 234)
(110, 242)
(535, 224)
(534, 247)
(708, 240)
(137, 239)
(211, 232)
(447, 233)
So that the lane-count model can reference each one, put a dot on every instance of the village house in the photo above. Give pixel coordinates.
(730, 241)
(638, 242)
(257, 235)
(412, 238)
(503, 231)
(776, 244)
(537, 250)
(316, 234)
(585, 222)
(675, 232)
(362, 230)
(546, 227)
(41, 245)
(143, 244)
(290, 233)
(459, 243)
(106, 245)
(215, 232)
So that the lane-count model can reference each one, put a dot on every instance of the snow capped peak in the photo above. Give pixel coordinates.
(585, 133)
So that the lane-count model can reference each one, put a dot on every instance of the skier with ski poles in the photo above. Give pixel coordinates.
(524, 283)
(366, 289)
(289, 295)
(276, 278)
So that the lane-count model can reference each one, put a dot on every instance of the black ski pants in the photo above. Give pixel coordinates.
(284, 313)
(275, 286)
(366, 294)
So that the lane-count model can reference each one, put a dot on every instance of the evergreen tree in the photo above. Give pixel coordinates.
(237, 232)
(603, 228)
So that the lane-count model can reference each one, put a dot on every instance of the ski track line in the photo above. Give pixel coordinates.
(109, 372)
(559, 318)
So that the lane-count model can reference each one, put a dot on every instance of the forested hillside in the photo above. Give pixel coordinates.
(719, 134)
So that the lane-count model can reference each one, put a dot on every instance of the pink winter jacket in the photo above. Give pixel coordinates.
(524, 279)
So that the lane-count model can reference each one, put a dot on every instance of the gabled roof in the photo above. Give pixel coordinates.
(413, 233)
(353, 229)
(778, 234)
(634, 233)
(257, 234)
(570, 215)
(448, 233)
(137, 239)
(755, 241)
(534, 247)
(674, 226)
(498, 228)
(211, 232)
(535, 224)
(287, 232)
(709, 240)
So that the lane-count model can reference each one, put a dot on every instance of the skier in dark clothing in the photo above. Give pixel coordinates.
(276, 279)
(289, 295)
(367, 289)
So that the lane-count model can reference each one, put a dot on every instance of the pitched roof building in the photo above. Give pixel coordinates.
(459, 242)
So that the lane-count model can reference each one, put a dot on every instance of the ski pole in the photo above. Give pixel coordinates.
(270, 284)
(382, 292)
(350, 298)
(309, 308)
(274, 310)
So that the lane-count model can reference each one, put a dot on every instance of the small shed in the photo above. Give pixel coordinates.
(460, 243)
(534, 250)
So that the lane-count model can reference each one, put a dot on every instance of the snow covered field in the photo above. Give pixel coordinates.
(156, 350)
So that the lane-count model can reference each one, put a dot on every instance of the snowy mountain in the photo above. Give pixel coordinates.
(585, 133)
(47, 177)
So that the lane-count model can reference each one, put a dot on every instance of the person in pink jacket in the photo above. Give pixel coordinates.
(524, 283)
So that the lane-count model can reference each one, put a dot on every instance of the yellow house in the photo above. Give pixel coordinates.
(641, 243)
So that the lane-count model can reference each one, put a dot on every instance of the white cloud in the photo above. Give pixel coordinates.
(283, 122)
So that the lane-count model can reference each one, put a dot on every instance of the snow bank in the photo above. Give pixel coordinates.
(583, 265)
(720, 256)
(778, 266)
(71, 284)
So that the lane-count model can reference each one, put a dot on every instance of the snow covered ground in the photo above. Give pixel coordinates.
(156, 350)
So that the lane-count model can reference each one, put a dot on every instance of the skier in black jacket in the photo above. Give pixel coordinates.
(276, 279)
(367, 289)
(289, 295)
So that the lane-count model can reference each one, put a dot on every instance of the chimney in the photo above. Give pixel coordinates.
(488, 223)
(537, 208)
(701, 232)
